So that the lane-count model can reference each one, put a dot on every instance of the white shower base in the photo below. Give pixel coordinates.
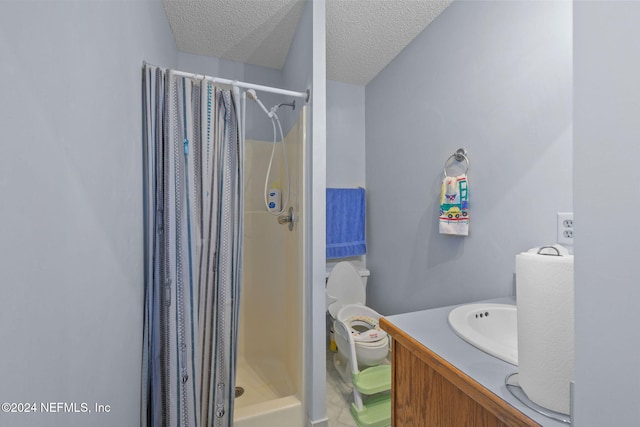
(268, 399)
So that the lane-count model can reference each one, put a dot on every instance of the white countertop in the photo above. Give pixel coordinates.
(431, 329)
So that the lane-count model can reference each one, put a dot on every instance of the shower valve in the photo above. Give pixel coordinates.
(288, 219)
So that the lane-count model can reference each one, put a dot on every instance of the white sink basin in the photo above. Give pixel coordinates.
(492, 328)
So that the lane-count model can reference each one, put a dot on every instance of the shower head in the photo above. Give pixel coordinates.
(254, 97)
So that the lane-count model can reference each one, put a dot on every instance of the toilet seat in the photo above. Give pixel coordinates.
(371, 334)
(362, 322)
(344, 287)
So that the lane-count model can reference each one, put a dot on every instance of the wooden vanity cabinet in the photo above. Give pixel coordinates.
(428, 391)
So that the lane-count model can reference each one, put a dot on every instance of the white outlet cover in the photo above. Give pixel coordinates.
(565, 238)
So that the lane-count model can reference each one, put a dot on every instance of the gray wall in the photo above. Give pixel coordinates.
(305, 68)
(297, 72)
(606, 153)
(345, 135)
(71, 212)
(496, 78)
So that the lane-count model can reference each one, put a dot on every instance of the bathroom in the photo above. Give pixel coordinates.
(547, 131)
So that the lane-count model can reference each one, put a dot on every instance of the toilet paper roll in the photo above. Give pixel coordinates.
(544, 287)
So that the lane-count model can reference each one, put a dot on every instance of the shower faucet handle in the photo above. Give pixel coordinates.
(288, 219)
(283, 219)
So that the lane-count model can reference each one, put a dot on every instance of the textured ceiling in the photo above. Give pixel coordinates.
(363, 36)
(255, 32)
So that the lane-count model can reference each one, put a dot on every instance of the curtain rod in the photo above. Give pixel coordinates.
(304, 95)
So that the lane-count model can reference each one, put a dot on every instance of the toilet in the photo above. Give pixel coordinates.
(346, 297)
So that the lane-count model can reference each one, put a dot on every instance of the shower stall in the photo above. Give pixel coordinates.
(224, 279)
(269, 383)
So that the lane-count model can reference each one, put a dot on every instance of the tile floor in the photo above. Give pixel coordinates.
(339, 397)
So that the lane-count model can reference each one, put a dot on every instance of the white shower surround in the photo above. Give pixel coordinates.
(270, 337)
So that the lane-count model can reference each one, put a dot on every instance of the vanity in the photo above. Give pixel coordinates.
(440, 380)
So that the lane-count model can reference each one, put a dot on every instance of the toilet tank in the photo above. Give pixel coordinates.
(364, 273)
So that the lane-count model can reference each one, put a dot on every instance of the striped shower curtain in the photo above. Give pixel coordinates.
(193, 208)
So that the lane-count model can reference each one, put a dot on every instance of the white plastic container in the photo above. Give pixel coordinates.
(274, 199)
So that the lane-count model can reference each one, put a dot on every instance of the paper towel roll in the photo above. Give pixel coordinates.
(544, 291)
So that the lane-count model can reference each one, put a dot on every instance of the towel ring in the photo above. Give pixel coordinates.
(460, 155)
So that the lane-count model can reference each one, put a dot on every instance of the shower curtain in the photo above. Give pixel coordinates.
(193, 208)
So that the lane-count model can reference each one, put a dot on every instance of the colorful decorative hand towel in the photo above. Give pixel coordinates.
(454, 206)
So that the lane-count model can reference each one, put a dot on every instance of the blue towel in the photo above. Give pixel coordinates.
(345, 222)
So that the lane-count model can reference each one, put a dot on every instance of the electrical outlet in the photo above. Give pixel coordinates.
(565, 228)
